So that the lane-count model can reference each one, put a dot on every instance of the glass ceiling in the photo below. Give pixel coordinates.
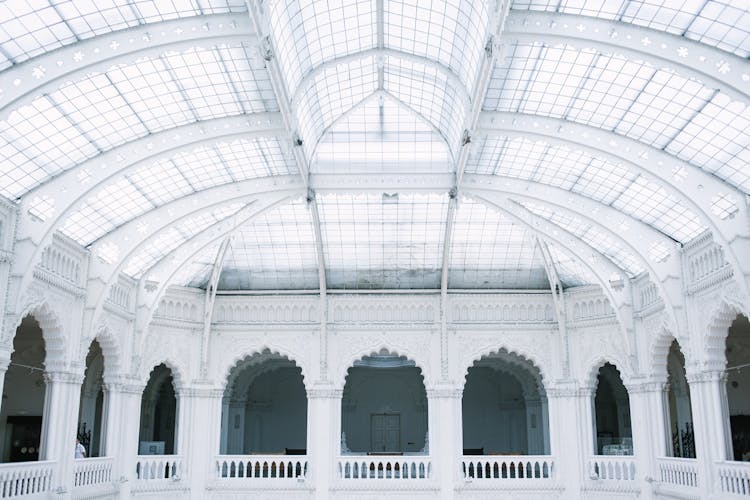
(383, 88)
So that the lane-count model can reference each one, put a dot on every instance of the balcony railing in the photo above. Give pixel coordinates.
(91, 471)
(678, 471)
(26, 479)
(508, 467)
(395, 467)
(280, 467)
(611, 468)
(159, 467)
(734, 477)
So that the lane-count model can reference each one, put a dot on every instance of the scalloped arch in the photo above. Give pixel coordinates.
(380, 349)
(524, 360)
(266, 353)
(176, 371)
(591, 379)
(52, 331)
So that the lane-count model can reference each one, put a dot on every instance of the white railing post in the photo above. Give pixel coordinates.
(323, 436)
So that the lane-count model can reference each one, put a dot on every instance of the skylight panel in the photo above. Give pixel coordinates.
(162, 181)
(197, 272)
(717, 139)
(163, 243)
(591, 235)
(570, 270)
(32, 27)
(653, 205)
(46, 137)
(383, 241)
(308, 33)
(381, 136)
(720, 23)
(428, 92)
(604, 181)
(275, 251)
(450, 32)
(18, 172)
(488, 250)
(259, 157)
(334, 91)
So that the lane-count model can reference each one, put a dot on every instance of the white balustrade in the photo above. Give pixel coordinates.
(678, 471)
(261, 466)
(89, 471)
(25, 479)
(612, 468)
(734, 477)
(155, 467)
(384, 467)
(508, 466)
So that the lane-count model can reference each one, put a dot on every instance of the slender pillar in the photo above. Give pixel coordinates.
(198, 434)
(323, 437)
(649, 437)
(446, 437)
(571, 435)
(120, 427)
(62, 394)
(4, 363)
(710, 423)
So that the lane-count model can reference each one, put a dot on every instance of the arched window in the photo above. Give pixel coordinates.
(158, 414)
(612, 414)
(92, 401)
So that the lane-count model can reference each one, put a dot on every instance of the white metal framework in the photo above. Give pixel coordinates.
(417, 141)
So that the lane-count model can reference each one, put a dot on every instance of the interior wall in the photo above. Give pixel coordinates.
(494, 413)
(23, 394)
(375, 391)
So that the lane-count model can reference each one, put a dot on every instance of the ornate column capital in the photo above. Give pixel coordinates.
(63, 377)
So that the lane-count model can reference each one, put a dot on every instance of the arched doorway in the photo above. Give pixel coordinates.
(23, 395)
(738, 386)
(504, 408)
(92, 401)
(384, 407)
(264, 410)
(682, 441)
(612, 414)
(158, 414)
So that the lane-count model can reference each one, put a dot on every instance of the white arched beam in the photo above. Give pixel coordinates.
(599, 265)
(667, 277)
(69, 192)
(695, 191)
(45, 73)
(149, 293)
(714, 67)
(129, 241)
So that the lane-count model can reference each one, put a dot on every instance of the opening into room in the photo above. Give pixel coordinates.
(738, 386)
(23, 395)
(612, 414)
(264, 410)
(384, 408)
(682, 437)
(91, 403)
(158, 414)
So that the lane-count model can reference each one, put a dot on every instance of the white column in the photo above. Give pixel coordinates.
(446, 436)
(649, 437)
(323, 437)
(711, 424)
(4, 363)
(59, 422)
(120, 429)
(198, 434)
(571, 435)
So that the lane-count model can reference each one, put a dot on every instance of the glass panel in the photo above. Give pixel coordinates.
(451, 32)
(721, 23)
(275, 251)
(377, 241)
(197, 273)
(381, 136)
(570, 270)
(32, 27)
(489, 250)
(307, 33)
